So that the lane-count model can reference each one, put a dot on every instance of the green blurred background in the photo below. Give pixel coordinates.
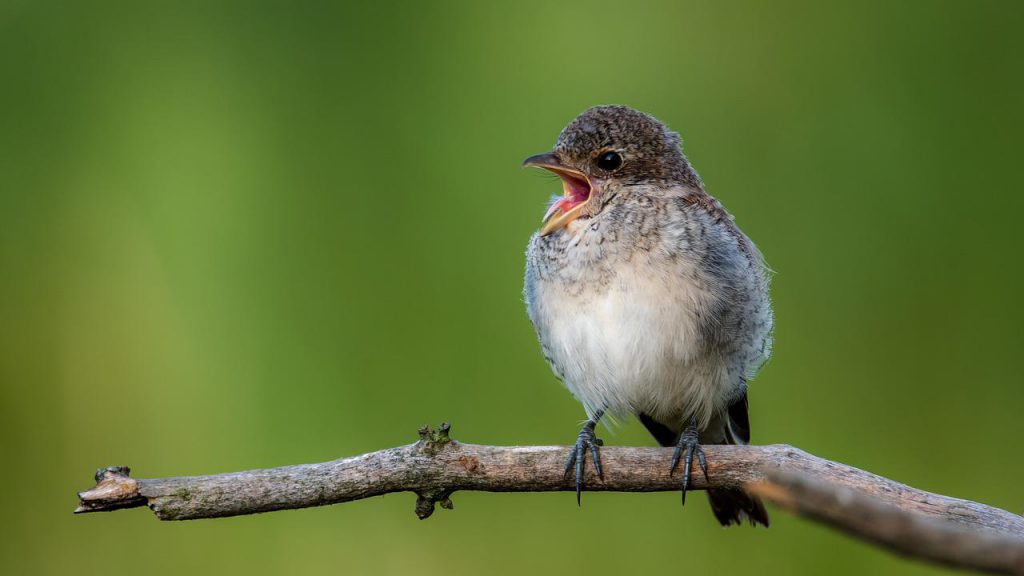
(239, 235)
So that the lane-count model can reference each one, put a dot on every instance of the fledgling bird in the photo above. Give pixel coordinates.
(646, 297)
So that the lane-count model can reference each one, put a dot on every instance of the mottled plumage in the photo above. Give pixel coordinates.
(651, 302)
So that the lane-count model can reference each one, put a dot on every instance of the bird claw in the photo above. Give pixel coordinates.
(586, 441)
(686, 449)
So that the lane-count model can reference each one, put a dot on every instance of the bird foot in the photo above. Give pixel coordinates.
(586, 441)
(687, 448)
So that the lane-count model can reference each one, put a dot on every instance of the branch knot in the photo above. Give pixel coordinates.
(114, 490)
(425, 502)
(432, 441)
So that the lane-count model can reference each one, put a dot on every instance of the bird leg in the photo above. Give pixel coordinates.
(586, 440)
(687, 447)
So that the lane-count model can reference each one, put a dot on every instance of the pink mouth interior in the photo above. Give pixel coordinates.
(577, 191)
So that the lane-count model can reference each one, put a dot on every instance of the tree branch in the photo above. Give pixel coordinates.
(939, 528)
(942, 538)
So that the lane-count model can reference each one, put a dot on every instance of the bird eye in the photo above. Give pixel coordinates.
(609, 161)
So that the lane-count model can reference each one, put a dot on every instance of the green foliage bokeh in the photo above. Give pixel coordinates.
(241, 234)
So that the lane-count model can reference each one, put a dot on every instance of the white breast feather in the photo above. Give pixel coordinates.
(635, 347)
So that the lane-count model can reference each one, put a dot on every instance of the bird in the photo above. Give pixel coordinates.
(647, 299)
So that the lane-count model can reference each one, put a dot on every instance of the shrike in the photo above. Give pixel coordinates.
(647, 298)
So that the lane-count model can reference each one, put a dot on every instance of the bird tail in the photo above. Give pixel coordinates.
(733, 505)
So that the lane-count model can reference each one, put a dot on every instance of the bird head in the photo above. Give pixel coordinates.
(610, 152)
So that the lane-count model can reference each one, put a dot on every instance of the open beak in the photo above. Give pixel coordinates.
(575, 185)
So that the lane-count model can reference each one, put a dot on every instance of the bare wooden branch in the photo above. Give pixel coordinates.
(865, 516)
(872, 507)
